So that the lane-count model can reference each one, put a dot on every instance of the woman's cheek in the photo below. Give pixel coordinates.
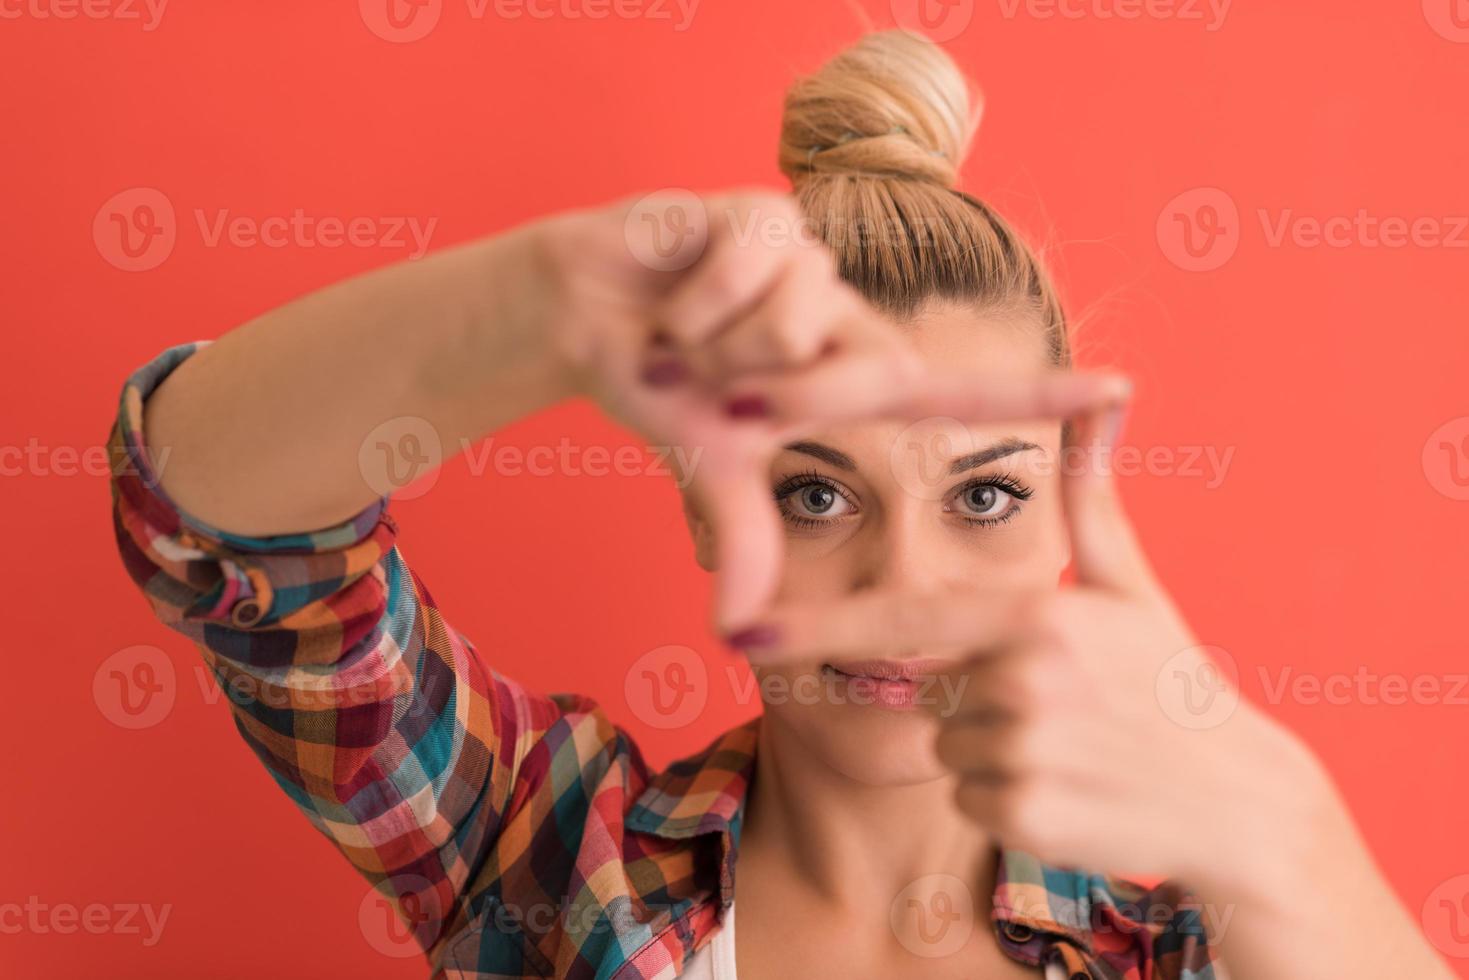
(817, 564)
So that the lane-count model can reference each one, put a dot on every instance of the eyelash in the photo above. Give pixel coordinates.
(800, 481)
(1003, 482)
(1000, 481)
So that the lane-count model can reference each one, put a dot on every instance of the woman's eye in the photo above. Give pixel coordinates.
(987, 503)
(813, 502)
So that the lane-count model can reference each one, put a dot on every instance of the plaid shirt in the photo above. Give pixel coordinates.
(517, 835)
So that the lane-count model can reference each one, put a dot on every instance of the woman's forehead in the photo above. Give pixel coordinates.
(949, 338)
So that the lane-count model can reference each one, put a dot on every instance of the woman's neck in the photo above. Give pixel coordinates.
(850, 843)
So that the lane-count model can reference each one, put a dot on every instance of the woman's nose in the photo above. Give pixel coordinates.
(903, 555)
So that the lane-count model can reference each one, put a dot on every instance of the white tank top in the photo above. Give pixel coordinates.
(716, 960)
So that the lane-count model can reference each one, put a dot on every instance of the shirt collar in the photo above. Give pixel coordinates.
(705, 794)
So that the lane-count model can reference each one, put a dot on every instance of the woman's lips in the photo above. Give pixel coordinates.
(886, 683)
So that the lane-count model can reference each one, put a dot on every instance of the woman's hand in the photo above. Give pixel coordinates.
(716, 325)
(1090, 728)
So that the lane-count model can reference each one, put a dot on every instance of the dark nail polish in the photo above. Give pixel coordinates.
(747, 407)
(666, 372)
(753, 636)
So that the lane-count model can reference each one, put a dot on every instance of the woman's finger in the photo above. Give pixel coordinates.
(887, 623)
(748, 538)
(1105, 552)
(789, 327)
(738, 267)
(877, 379)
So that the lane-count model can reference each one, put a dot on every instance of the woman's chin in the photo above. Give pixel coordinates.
(870, 744)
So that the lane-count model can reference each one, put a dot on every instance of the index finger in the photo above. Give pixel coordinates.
(858, 384)
(887, 622)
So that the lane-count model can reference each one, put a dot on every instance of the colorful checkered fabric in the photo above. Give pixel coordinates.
(517, 835)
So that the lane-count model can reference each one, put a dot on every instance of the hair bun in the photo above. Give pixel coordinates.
(892, 106)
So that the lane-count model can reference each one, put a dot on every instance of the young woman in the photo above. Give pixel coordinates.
(909, 562)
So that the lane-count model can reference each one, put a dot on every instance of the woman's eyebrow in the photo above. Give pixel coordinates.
(1001, 449)
(824, 453)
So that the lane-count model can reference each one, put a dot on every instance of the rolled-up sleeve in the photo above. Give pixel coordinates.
(379, 721)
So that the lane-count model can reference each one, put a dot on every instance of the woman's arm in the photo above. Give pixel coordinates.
(243, 516)
(259, 433)
(1307, 899)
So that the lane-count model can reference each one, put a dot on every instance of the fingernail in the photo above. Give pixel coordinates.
(747, 407)
(665, 372)
(753, 636)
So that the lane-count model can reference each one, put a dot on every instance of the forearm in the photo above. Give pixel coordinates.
(261, 432)
(1313, 903)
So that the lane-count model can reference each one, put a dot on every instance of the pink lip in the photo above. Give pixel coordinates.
(887, 683)
(892, 670)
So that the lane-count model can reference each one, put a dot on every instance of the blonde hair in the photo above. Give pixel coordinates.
(872, 144)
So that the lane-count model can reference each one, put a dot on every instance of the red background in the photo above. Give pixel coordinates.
(1330, 547)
